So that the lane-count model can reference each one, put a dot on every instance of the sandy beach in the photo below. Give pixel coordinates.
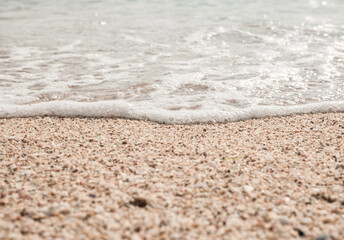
(273, 178)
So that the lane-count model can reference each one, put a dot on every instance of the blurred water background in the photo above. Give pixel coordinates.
(171, 61)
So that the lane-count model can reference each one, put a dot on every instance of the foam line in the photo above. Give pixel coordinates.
(120, 109)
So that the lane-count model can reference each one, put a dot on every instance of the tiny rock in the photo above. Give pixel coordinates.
(306, 221)
(248, 188)
(139, 202)
(284, 221)
(323, 237)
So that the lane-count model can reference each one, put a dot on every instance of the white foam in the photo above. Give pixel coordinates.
(120, 109)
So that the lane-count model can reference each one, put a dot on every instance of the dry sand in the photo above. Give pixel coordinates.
(275, 178)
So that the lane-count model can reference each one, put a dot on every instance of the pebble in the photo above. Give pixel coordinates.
(92, 195)
(323, 237)
(284, 221)
(306, 221)
(248, 189)
(300, 232)
(139, 202)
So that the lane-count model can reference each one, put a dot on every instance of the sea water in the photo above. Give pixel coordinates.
(171, 61)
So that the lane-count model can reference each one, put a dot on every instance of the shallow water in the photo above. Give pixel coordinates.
(171, 61)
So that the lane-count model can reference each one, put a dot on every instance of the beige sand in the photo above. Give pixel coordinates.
(276, 178)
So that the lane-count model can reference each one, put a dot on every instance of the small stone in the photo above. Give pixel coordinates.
(306, 221)
(248, 189)
(137, 228)
(323, 237)
(65, 211)
(139, 202)
(342, 203)
(328, 220)
(51, 212)
(92, 195)
(24, 230)
(241, 207)
(300, 232)
(340, 166)
(284, 221)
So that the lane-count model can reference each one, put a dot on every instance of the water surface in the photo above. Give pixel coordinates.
(171, 61)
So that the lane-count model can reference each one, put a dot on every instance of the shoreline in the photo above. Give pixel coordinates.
(174, 124)
(114, 110)
(266, 178)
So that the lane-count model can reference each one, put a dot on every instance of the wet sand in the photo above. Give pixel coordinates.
(273, 178)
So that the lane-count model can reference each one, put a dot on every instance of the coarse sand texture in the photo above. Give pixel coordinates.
(79, 178)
